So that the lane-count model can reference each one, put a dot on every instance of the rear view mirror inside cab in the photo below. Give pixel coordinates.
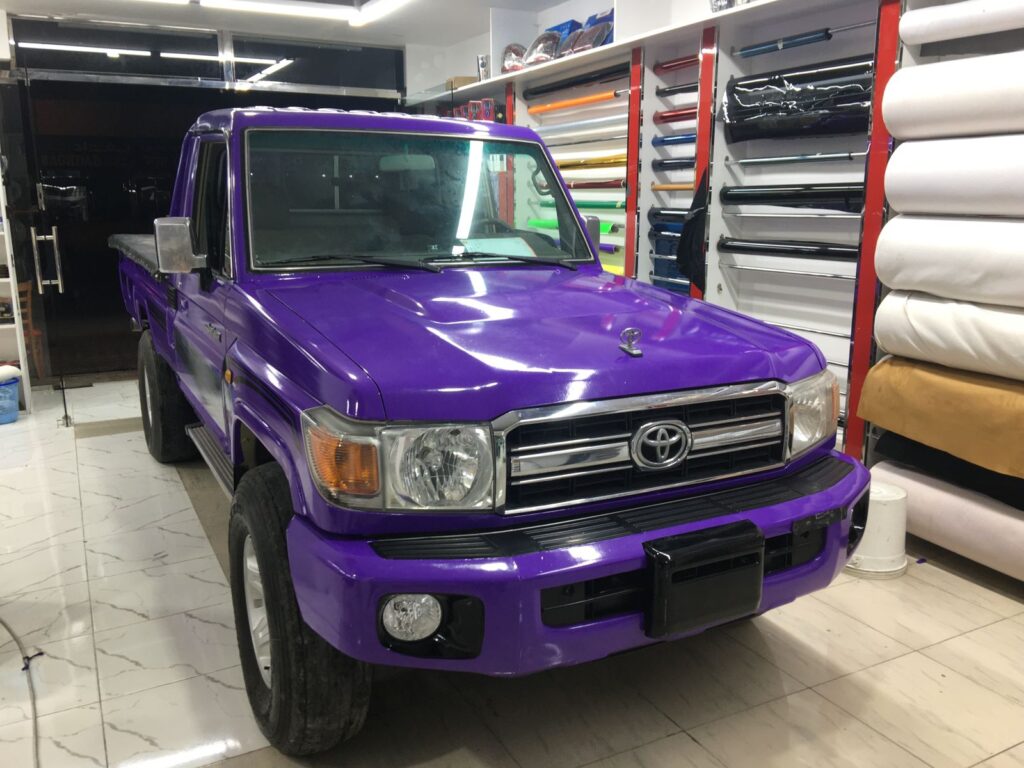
(397, 163)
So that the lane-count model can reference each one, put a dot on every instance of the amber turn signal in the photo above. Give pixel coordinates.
(343, 466)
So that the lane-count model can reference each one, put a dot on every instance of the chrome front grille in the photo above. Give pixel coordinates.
(580, 452)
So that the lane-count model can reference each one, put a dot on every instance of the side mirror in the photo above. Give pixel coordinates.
(594, 230)
(175, 254)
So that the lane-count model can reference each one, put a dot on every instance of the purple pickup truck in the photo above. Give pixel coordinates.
(452, 440)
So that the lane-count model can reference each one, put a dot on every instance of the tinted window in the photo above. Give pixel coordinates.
(210, 208)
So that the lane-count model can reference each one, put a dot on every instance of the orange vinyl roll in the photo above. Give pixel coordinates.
(596, 162)
(582, 101)
(672, 187)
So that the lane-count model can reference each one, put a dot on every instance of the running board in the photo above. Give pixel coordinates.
(214, 457)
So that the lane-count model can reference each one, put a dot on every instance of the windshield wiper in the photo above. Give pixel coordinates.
(473, 255)
(383, 261)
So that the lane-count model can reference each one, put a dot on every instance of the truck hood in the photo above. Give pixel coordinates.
(472, 344)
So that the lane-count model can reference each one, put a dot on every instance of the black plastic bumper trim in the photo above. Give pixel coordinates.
(544, 537)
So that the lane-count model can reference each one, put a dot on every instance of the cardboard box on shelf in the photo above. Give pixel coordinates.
(457, 82)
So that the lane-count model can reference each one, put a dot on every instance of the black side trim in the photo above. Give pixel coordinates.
(587, 530)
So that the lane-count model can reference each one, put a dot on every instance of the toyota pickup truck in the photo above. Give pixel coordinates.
(453, 441)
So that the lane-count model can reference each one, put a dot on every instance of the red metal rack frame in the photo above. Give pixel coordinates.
(636, 78)
(866, 297)
(705, 111)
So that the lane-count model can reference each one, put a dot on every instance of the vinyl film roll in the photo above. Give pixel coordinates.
(967, 259)
(963, 19)
(962, 97)
(981, 176)
(833, 97)
(984, 338)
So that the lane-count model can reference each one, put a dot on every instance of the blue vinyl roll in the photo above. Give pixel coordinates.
(668, 141)
(665, 226)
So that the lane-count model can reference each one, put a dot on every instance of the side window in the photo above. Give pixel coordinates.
(210, 207)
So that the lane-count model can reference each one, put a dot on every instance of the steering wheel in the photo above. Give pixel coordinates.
(497, 224)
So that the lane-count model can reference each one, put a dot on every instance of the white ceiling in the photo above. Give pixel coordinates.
(434, 22)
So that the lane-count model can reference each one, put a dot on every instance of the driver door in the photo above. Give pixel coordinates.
(199, 336)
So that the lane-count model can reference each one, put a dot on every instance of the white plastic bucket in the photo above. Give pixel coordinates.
(882, 551)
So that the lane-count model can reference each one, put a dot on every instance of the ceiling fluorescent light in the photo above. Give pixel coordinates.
(84, 49)
(212, 57)
(165, 2)
(277, 67)
(373, 10)
(299, 9)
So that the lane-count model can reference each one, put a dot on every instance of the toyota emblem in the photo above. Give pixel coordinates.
(661, 444)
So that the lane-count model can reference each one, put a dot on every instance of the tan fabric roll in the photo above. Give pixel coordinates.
(975, 417)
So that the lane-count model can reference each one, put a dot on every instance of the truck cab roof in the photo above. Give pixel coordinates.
(239, 119)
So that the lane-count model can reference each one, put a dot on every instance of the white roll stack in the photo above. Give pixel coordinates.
(963, 19)
(972, 337)
(981, 176)
(968, 259)
(962, 97)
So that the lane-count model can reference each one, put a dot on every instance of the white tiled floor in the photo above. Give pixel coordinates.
(104, 566)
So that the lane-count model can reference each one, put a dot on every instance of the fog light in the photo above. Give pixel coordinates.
(411, 617)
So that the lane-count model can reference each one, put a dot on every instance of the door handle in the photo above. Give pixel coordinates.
(56, 256)
(50, 238)
(35, 258)
(213, 330)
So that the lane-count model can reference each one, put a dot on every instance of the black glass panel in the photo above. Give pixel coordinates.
(114, 49)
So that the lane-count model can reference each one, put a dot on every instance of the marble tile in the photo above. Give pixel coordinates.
(104, 401)
(147, 548)
(47, 615)
(968, 590)
(64, 678)
(37, 491)
(186, 724)
(702, 678)
(156, 592)
(1011, 758)
(69, 739)
(41, 568)
(992, 656)
(939, 715)
(814, 642)
(908, 610)
(566, 717)
(145, 655)
(120, 457)
(678, 751)
(158, 507)
(842, 578)
(37, 531)
(800, 730)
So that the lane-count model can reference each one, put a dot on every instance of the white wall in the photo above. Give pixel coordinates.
(428, 66)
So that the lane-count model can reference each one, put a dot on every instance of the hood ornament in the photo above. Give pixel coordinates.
(629, 338)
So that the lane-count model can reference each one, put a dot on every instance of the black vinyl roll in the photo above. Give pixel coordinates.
(673, 164)
(600, 76)
(672, 90)
(1004, 488)
(833, 97)
(788, 248)
(839, 197)
(666, 214)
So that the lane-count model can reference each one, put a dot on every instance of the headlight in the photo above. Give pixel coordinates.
(813, 411)
(380, 466)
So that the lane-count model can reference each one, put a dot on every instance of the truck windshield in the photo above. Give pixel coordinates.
(341, 198)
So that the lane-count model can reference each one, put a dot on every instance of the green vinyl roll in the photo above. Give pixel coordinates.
(606, 226)
(591, 204)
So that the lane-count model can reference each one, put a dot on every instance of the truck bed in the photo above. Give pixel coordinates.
(139, 248)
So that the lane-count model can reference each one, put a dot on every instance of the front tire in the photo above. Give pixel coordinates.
(306, 696)
(165, 411)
